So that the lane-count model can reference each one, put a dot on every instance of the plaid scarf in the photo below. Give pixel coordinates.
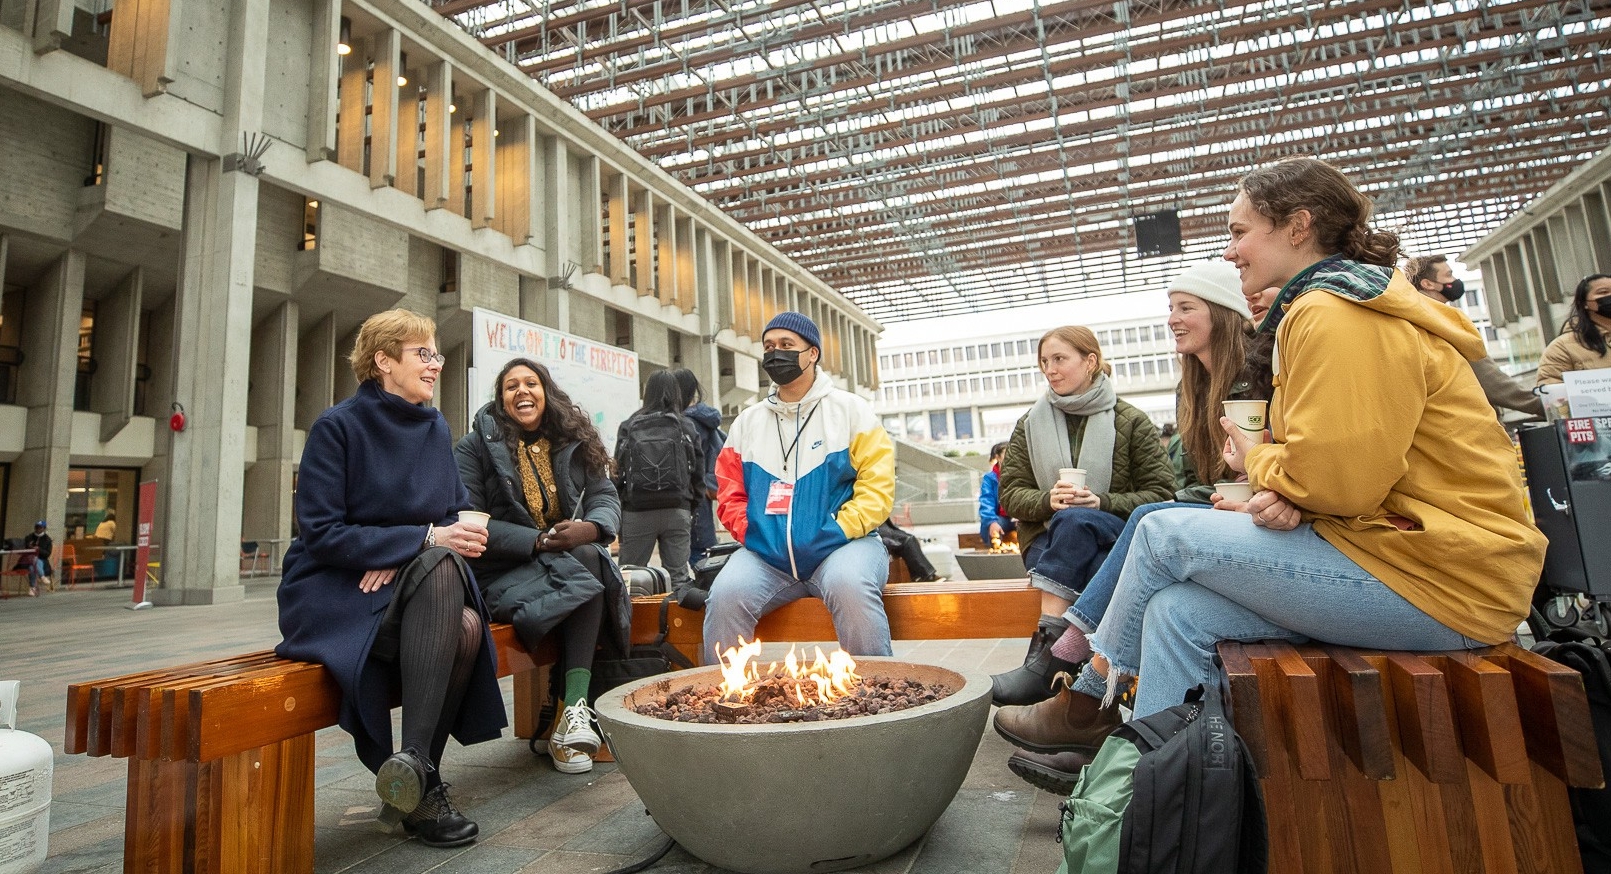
(1336, 274)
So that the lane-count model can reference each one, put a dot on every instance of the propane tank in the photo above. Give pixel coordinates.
(25, 768)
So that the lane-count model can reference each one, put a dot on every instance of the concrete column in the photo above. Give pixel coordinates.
(687, 276)
(354, 76)
(117, 352)
(665, 225)
(53, 23)
(38, 487)
(559, 205)
(643, 242)
(517, 172)
(316, 367)
(440, 139)
(408, 130)
(620, 266)
(383, 111)
(324, 69)
(484, 169)
(212, 342)
(271, 408)
(590, 202)
(544, 305)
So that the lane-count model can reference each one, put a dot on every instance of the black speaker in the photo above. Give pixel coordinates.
(1158, 233)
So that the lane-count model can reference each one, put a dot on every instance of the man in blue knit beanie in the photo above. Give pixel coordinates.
(805, 478)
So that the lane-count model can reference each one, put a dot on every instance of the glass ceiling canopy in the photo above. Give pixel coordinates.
(934, 158)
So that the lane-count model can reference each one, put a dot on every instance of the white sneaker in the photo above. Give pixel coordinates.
(575, 729)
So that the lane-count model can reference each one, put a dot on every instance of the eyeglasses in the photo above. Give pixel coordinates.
(427, 356)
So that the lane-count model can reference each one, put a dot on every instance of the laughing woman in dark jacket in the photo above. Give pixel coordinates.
(536, 464)
(376, 588)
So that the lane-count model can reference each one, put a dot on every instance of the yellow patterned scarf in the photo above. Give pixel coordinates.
(537, 482)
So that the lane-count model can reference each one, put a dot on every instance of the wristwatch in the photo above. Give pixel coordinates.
(430, 536)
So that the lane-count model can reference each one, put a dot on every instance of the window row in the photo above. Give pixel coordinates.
(1116, 338)
(1143, 369)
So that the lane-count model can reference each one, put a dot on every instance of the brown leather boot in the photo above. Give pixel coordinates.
(1070, 722)
(1055, 773)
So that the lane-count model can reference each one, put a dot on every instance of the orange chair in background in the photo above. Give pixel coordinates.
(70, 567)
(16, 568)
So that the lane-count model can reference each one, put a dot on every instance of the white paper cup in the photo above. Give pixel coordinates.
(1074, 476)
(1235, 491)
(475, 517)
(1249, 417)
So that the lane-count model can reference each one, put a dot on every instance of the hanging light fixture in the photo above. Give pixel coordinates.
(402, 68)
(344, 42)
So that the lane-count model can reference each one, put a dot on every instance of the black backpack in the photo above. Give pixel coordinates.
(655, 461)
(1171, 793)
(1591, 808)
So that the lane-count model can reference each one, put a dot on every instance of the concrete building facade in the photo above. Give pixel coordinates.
(201, 201)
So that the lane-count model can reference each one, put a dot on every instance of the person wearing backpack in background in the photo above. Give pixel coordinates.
(806, 476)
(660, 475)
(705, 418)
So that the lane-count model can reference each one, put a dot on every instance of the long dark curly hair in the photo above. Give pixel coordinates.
(1580, 323)
(562, 421)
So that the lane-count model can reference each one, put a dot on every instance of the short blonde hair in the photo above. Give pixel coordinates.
(387, 332)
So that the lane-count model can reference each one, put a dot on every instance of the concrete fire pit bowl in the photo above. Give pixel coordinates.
(991, 565)
(805, 796)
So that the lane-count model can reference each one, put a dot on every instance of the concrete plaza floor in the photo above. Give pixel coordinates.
(533, 819)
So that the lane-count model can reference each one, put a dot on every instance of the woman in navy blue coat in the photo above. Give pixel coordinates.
(377, 590)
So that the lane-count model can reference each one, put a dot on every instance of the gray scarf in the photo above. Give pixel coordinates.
(1046, 434)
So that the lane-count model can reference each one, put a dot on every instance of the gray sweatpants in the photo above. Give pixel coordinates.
(642, 530)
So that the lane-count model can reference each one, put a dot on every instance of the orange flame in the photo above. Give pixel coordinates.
(827, 678)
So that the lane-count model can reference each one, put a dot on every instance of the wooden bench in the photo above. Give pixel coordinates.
(1414, 762)
(221, 753)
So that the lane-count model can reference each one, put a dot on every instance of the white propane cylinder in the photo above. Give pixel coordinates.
(26, 761)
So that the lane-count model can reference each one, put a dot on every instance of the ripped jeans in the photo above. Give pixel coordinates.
(1193, 579)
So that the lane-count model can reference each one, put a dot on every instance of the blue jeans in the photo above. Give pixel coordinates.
(35, 571)
(1193, 579)
(1086, 612)
(1076, 542)
(850, 581)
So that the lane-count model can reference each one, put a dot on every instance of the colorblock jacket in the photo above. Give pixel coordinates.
(841, 468)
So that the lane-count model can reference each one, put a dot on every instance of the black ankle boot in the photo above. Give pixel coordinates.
(1032, 683)
(437, 824)
(403, 780)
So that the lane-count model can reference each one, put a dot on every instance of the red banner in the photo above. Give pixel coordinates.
(142, 552)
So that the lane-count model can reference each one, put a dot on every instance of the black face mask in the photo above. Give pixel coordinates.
(783, 365)
(1454, 291)
(1602, 306)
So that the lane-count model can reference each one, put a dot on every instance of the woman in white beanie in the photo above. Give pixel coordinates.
(1221, 359)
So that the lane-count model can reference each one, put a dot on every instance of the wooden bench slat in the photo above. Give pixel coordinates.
(146, 724)
(1425, 719)
(1361, 704)
(1555, 716)
(1304, 714)
(916, 611)
(1246, 704)
(1484, 698)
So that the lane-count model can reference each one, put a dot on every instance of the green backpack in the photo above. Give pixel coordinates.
(1173, 793)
